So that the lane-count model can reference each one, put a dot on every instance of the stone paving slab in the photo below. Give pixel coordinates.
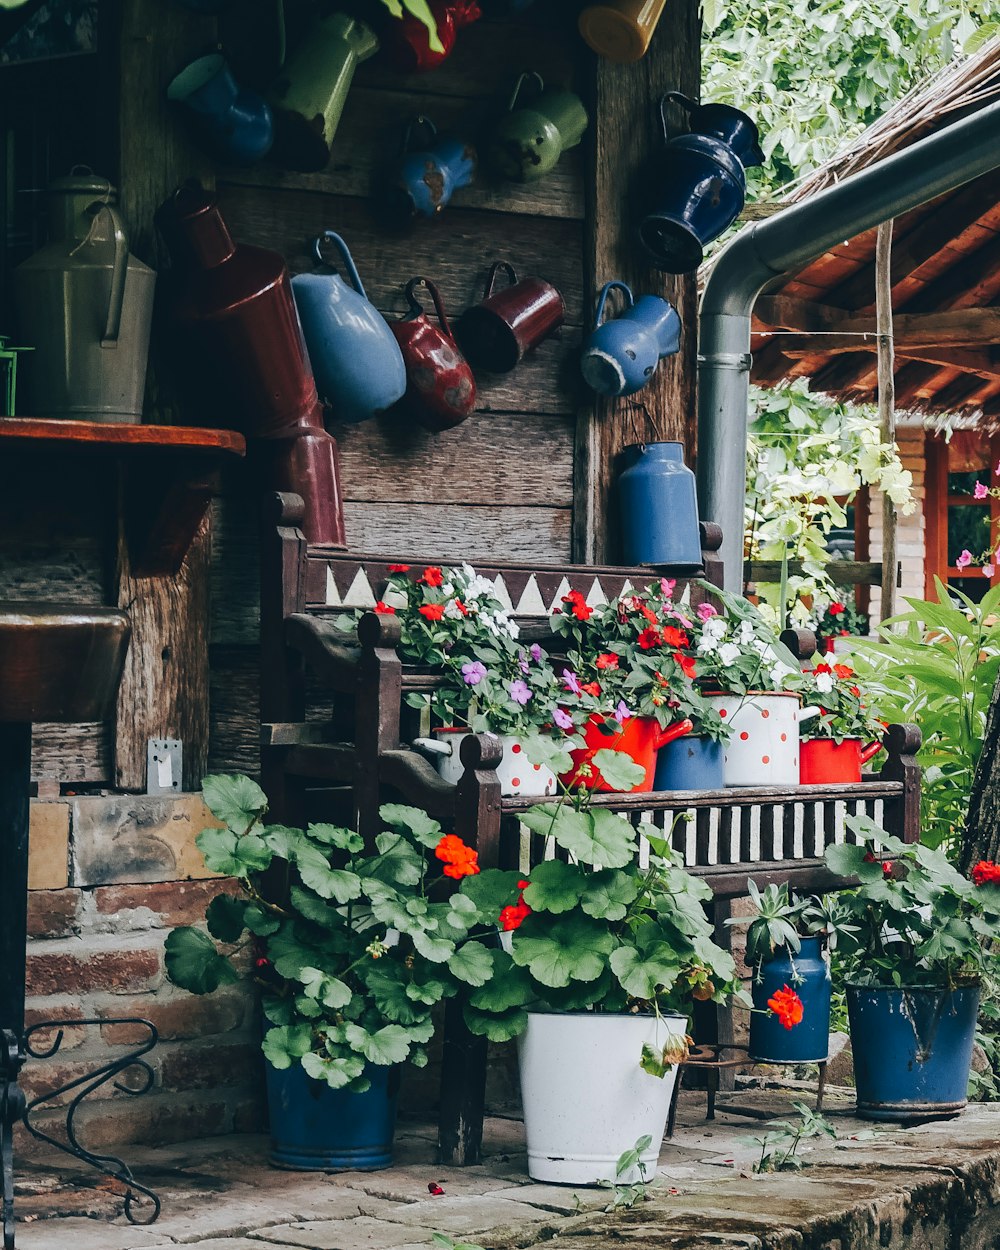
(362, 1234)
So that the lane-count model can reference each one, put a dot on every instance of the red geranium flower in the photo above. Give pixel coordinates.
(835, 609)
(512, 917)
(459, 860)
(578, 606)
(607, 660)
(590, 687)
(986, 873)
(686, 663)
(787, 1006)
(432, 611)
(843, 670)
(383, 609)
(822, 668)
(674, 637)
(431, 576)
(649, 638)
(649, 614)
(399, 568)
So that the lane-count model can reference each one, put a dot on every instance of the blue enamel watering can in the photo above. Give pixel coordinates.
(356, 360)
(620, 356)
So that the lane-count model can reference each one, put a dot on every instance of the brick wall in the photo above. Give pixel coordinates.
(910, 543)
(109, 877)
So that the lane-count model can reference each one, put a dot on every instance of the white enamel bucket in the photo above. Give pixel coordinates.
(764, 747)
(517, 775)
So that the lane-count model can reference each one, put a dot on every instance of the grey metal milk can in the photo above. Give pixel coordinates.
(85, 306)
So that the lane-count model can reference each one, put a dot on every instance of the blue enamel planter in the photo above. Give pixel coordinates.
(318, 1129)
(808, 974)
(690, 764)
(912, 1050)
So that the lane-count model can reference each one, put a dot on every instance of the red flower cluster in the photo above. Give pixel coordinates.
(986, 873)
(431, 576)
(590, 687)
(511, 917)
(399, 568)
(578, 606)
(607, 660)
(787, 1006)
(432, 611)
(649, 638)
(686, 663)
(674, 637)
(835, 609)
(459, 860)
(843, 670)
(383, 609)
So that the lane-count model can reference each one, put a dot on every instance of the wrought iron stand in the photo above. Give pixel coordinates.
(17, 1043)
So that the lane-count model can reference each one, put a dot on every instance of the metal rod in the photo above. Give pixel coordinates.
(785, 243)
(886, 407)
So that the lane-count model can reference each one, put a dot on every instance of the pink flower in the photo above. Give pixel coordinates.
(621, 713)
(571, 683)
(536, 652)
(668, 584)
(964, 560)
(705, 610)
(980, 490)
(988, 570)
(996, 471)
(473, 672)
(562, 719)
(519, 692)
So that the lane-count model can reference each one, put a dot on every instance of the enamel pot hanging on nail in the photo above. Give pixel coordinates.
(440, 388)
(539, 125)
(429, 171)
(232, 123)
(509, 322)
(620, 356)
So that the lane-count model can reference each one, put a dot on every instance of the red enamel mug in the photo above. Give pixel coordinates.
(440, 388)
(497, 333)
(639, 736)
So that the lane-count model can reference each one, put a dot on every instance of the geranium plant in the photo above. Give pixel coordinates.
(351, 951)
(923, 924)
(845, 709)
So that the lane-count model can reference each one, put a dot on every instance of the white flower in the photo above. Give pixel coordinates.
(478, 587)
(824, 682)
(447, 589)
(779, 672)
(745, 632)
(452, 611)
(729, 652)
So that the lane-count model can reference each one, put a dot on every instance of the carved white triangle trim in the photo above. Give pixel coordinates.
(597, 597)
(332, 593)
(531, 602)
(501, 592)
(360, 594)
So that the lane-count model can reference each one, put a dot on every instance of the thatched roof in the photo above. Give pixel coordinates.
(945, 271)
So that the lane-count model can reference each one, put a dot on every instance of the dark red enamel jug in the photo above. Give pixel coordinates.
(242, 354)
(496, 333)
(440, 388)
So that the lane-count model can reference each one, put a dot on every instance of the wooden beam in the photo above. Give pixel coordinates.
(624, 137)
(788, 313)
(886, 408)
(958, 327)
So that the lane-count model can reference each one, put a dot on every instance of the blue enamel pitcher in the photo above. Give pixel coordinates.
(620, 356)
(356, 360)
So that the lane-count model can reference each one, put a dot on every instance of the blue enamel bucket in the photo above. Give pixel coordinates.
(690, 763)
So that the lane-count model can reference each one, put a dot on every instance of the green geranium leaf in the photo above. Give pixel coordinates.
(226, 917)
(555, 886)
(619, 769)
(550, 752)
(472, 963)
(193, 963)
(328, 990)
(283, 1045)
(315, 871)
(426, 992)
(337, 1073)
(232, 856)
(609, 893)
(501, 1026)
(594, 837)
(849, 861)
(336, 835)
(491, 890)
(570, 949)
(388, 984)
(507, 986)
(437, 949)
(312, 908)
(397, 861)
(642, 975)
(283, 840)
(412, 820)
(261, 922)
(385, 1047)
(234, 799)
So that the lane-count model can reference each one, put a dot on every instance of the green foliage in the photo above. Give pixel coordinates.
(935, 666)
(628, 1194)
(778, 1148)
(352, 952)
(924, 925)
(782, 921)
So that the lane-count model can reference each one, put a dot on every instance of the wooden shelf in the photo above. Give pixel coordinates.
(169, 475)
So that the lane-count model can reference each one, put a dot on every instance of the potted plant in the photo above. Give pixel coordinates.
(601, 959)
(453, 623)
(350, 951)
(749, 676)
(922, 942)
(845, 734)
(791, 987)
(841, 618)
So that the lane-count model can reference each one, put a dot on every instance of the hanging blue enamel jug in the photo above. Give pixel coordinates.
(427, 173)
(356, 361)
(659, 508)
(620, 356)
(736, 129)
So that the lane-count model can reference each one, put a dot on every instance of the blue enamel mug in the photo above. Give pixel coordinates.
(231, 122)
(620, 356)
(424, 180)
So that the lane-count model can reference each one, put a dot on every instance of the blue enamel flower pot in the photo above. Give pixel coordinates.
(912, 1050)
(808, 974)
(690, 763)
(318, 1129)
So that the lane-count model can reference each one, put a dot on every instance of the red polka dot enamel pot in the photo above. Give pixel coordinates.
(516, 772)
(764, 747)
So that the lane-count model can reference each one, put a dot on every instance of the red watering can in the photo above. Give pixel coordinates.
(639, 736)
(823, 761)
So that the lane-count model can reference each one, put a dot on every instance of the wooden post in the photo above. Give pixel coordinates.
(625, 136)
(164, 687)
(886, 406)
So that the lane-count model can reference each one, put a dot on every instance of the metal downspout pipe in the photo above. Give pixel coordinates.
(786, 243)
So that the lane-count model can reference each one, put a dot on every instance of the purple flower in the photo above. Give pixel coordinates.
(519, 692)
(562, 719)
(964, 560)
(705, 610)
(473, 672)
(523, 664)
(621, 713)
(570, 682)
(980, 490)
(988, 570)
(536, 652)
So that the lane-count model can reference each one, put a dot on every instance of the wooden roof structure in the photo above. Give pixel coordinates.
(820, 323)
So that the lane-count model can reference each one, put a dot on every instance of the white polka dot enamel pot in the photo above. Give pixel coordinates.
(517, 774)
(764, 747)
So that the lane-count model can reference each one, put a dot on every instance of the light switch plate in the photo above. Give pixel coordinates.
(164, 761)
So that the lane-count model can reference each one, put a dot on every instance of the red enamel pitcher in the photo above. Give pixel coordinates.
(639, 736)
(823, 761)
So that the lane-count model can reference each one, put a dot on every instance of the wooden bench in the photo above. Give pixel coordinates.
(350, 749)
